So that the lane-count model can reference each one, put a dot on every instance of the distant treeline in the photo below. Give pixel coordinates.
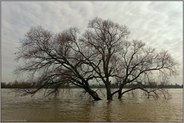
(16, 85)
(146, 86)
(34, 85)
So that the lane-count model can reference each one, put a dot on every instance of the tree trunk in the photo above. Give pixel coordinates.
(119, 94)
(120, 91)
(93, 94)
(108, 91)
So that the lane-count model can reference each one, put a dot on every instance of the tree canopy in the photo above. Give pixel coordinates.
(101, 55)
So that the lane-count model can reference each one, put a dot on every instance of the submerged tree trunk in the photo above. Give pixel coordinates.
(120, 91)
(119, 94)
(108, 91)
(93, 94)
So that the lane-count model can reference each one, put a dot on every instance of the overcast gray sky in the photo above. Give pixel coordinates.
(158, 24)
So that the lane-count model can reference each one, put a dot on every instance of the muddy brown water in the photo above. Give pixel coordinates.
(73, 105)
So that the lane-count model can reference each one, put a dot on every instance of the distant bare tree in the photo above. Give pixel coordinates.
(101, 55)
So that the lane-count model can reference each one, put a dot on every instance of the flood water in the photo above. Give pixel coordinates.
(72, 105)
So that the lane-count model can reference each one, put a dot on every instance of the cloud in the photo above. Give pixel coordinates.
(157, 23)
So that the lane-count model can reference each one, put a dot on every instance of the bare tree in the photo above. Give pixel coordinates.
(53, 61)
(140, 66)
(104, 39)
(101, 55)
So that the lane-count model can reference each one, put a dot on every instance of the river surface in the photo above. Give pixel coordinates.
(73, 105)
